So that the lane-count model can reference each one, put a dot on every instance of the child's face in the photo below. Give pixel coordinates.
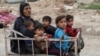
(62, 23)
(46, 22)
(39, 32)
(31, 27)
(70, 23)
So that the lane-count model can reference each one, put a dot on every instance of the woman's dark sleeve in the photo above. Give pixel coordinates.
(26, 32)
(19, 26)
(1, 25)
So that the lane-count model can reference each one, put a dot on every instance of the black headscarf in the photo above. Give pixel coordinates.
(22, 5)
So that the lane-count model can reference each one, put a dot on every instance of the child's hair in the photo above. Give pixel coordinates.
(59, 18)
(28, 23)
(68, 17)
(47, 18)
(38, 26)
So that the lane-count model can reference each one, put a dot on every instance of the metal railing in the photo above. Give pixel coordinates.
(74, 39)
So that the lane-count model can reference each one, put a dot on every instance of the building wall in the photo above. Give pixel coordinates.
(85, 1)
(11, 1)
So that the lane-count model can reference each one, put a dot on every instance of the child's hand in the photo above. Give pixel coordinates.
(45, 38)
(35, 36)
(78, 29)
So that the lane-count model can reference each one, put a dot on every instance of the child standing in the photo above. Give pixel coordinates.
(48, 28)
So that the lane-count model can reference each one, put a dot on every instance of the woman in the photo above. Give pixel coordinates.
(25, 12)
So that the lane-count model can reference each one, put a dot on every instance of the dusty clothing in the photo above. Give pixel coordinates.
(41, 43)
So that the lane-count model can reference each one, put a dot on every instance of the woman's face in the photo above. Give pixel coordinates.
(62, 23)
(27, 11)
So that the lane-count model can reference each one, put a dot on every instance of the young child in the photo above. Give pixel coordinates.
(60, 34)
(48, 28)
(69, 30)
(40, 37)
(29, 25)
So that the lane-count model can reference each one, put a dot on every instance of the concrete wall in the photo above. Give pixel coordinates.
(14, 1)
(85, 1)
(1, 1)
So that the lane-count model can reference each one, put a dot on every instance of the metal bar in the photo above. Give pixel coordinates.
(15, 35)
(33, 47)
(52, 39)
(60, 49)
(21, 38)
(19, 47)
(76, 52)
(47, 47)
(6, 49)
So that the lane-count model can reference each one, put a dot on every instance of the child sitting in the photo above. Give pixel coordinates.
(69, 30)
(48, 28)
(72, 32)
(60, 34)
(30, 26)
(40, 39)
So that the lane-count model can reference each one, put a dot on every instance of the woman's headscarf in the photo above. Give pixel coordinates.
(22, 5)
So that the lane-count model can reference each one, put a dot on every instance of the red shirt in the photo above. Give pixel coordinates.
(71, 31)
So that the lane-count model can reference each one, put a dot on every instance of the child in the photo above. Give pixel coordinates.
(29, 25)
(69, 30)
(48, 28)
(40, 37)
(60, 34)
(72, 32)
